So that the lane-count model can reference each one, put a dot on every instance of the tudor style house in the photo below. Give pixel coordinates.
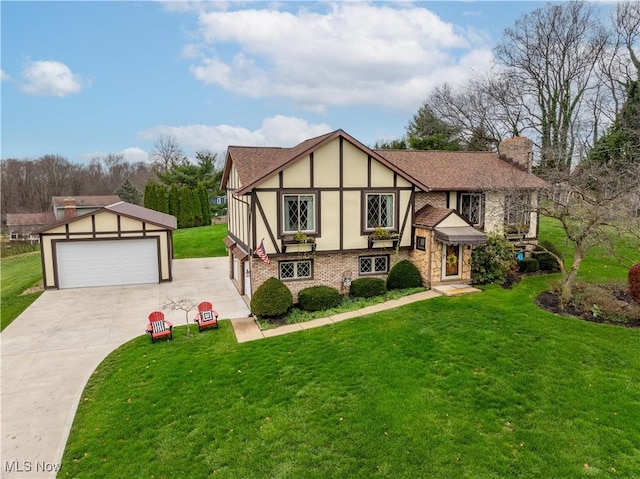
(331, 210)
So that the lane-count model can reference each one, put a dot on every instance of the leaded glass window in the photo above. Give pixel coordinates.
(299, 213)
(472, 208)
(380, 208)
(295, 269)
(374, 264)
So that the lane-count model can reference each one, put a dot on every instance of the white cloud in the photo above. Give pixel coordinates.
(51, 78)
(278, 130)
(353, 54)
(4, 76)
(134, 154)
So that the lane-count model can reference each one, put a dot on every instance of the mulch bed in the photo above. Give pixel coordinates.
(550, 301)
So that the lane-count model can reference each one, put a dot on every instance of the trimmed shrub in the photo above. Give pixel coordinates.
(545, 260)
(272, 299)
(633, 280)
(317, 298)
(404, 275)
(528, 265)
(492, 261)
(367, 287)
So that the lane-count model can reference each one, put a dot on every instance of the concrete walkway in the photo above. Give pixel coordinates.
(247, 329)
(49, 352)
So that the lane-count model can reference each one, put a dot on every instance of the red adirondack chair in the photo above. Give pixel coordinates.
(158, 328)
(206, 317)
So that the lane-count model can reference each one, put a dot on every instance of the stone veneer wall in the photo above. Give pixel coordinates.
(328, 269)
(433, 257)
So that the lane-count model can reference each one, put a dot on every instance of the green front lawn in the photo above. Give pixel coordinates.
(19, 273)
(480, 386)
(201, 242)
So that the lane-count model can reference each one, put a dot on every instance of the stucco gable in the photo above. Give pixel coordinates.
(254, 165)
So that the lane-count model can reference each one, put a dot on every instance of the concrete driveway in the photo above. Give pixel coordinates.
(49, 352)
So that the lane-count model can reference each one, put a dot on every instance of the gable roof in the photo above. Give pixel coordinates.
(461, 170)
(96, 201)
(256, 164)
(144, 214)
(125, 209)
(431, 216)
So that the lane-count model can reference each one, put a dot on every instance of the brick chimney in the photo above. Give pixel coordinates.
(69, 207)
(518, 150)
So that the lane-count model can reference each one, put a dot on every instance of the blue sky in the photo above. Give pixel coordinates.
(83, 79)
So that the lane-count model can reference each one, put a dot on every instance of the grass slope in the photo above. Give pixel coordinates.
(19, 273)
(201, 242)
(482, 386)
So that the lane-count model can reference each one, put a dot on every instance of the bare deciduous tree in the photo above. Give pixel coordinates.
(593, 209)
(167, 153)
(181, 304)
(553, 52)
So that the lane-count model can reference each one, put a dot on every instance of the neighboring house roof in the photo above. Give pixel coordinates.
(255, 164)
(129, 210)
(87, 201)
(30, 219)
(461, 170)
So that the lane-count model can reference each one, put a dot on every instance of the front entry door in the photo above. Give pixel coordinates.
(452, 260)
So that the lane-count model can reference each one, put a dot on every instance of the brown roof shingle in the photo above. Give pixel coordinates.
(30, 219)
(430, 216)
(429, 170)
(461, 170)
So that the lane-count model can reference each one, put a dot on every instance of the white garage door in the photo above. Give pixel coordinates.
(107, 263)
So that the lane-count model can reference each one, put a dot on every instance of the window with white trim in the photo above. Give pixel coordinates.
(299, 213)
(14, 235)
(374, 264)
(380, 210)
(301, 269)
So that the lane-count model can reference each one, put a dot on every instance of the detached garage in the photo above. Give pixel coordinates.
(115, 245)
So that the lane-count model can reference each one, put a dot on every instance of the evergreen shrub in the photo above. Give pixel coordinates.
(367, 287)
(318, 298)
(546, 261)
(492, 261)
(528, 265)
(404, 274)
(272, 299)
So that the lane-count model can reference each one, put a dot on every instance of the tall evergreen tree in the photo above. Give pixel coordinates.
(620, 146)
(174, 200)
(204, 204)
(162, 196)
(128, 192)
(197, 208)
(185, 217)
(151, 196)
(426, 131)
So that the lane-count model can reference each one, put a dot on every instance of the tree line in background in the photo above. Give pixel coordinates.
(170, 183)
(565, 75)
